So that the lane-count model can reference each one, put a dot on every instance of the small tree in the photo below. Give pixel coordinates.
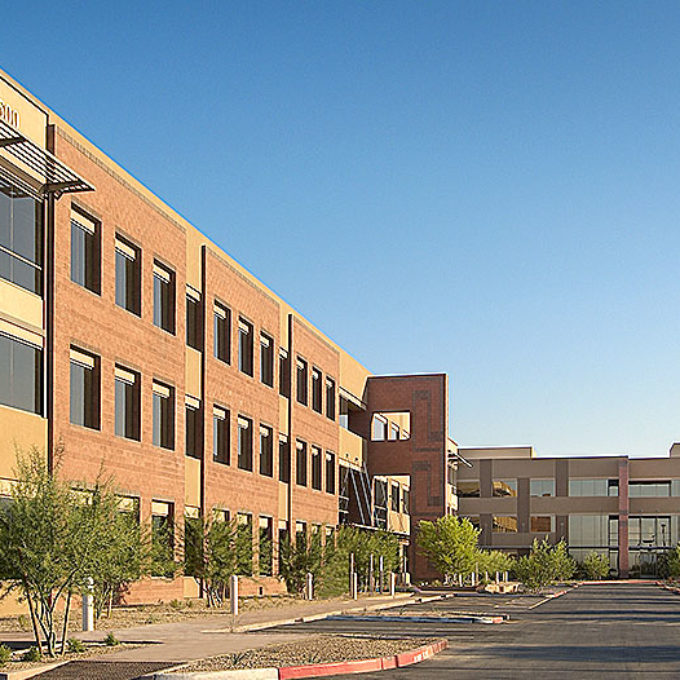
(450, 543)
(210, 555)
(545, 564)
(124, 558)
(595, 566)
(297, 559)
(492, 561)
(54, 538)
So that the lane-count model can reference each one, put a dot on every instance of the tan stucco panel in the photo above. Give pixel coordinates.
(22, 429)
(192, 477)
(192, 377)
(20, 305)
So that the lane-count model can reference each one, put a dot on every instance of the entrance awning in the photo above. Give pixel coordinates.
(55, 177)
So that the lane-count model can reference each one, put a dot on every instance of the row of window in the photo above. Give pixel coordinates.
(85, 411)
(86, 271)
(502, 488)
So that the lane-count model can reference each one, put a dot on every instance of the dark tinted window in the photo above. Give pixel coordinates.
(21, 375)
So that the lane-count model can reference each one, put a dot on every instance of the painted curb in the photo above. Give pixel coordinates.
(420, 619)
(313, 671)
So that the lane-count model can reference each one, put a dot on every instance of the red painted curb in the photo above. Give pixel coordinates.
(363, 665)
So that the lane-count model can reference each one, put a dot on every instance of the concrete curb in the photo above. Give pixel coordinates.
(419, 619)
(311, 671)
(670, 589)
(559, 593)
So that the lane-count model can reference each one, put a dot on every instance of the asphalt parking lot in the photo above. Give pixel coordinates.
(604, 631)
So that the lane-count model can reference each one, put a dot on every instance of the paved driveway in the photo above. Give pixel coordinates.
(596, 631)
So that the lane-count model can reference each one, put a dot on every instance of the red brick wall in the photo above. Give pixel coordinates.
(422, 456)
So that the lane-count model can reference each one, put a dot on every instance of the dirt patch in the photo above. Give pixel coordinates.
(169, 612)
(313, 650)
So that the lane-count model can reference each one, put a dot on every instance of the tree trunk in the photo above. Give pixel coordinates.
(108, 611)
(34, 620)
(64, 630)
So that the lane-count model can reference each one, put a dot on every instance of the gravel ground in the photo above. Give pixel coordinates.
(91, 650)
(130, 617)
(317, 649)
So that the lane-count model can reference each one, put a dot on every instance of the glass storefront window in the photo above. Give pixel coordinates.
(591, 530)
(504, 487)
(593, 487)
(504, 524)
(649, 489)
(540, 488)
(468, 489)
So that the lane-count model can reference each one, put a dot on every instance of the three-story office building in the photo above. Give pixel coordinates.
(129, 339)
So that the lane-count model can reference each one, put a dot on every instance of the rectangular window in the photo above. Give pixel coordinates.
(381, 493)
(504, 524)
(163, 415)
(316, 468)
(393, 434)
(649, 489)
(127, 403)
(301, 463)
(330, 398)
(266, 451)
(128, 276)
(266, 360)
(590, 531)
(21, 239)
(245, 346)
(193, 427)
(284, 373)
(265, 547)
(163, 297)
(379, 429)
(301, 381)
(85, 259)
(593, 487)
(502, 488)
(301, 533)
(468, 488)
(542, 524)
(284, 460)
(244, 557)
(84, 405)
(316, 390)
(245, 443)
(194, 320)
(222, 332)
(395, 498)
(221, 435)
(405, 500)
(542, 488)
(162, 538)
(330, 472)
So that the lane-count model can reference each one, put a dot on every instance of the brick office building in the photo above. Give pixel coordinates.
(128, 338)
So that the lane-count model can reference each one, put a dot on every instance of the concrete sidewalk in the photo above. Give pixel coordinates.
(211, 635)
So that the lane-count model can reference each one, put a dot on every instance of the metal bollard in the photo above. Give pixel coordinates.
(309, 586)
(88, 606)
(233, 595)
(393, 584)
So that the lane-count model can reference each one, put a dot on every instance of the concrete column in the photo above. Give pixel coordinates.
(88, 607)
(623, 517)
(233, 595)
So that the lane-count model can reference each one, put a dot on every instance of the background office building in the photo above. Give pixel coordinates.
(625, 508)
(128, 338)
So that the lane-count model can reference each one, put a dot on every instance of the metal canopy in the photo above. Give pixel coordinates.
(58, 178)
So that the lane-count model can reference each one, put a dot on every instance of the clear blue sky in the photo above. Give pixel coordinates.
(489, 189)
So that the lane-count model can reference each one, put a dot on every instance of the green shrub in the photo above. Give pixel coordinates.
(595, 566)
(545, 564)
(75, 646)
(111, 640)
(24, 623)
(5, 655)
(31, 654)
